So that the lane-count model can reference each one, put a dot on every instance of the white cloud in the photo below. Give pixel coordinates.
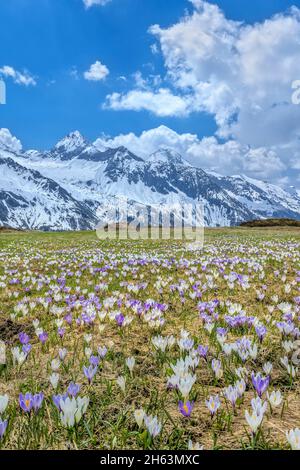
(8, 140)
(241, 74)
(162, 102)
(97, 72)
(21, 78)
(90, 3)
(226, 158)
(150, 141)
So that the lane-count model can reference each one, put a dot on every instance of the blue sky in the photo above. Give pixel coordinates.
(56, 41)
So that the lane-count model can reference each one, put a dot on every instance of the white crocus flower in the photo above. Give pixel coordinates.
(88, 352)
(139, 416)
(254, 420)
(275, 398)
(267, 368)
(194, 446)
(53, 379)
(130, 362)
(185, 384)
(88, 338)
(18, 355)
(121, 381)
(293, 438)
(72, 410)
(55, 363)
(3, 403)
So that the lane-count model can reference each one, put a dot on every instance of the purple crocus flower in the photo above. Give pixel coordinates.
(61, 332)
(3, 426)
(73, 389)
(43, 337)
(186, 408)
(68, 318)
(202, 351)
(260, 383)
(26, 402)
(120, 319)
(102, 351)
(26, 348)
(24, 338)
(57, 399)
(89, 372)
(37, 401)
(94, 360)
(261, 332)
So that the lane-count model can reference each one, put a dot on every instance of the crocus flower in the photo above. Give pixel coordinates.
(89, 372)
(121, 381)
(153, 425)
(24, 338)
(37, 401)
(94, 360)
(58, 398)
(186, 408)
(202, 351)
(26, 348)
(62, 353)
(254, 420)
(43, 337)
(274, 398)
(3, 426)
(260, 383)
(213, 404)
(53, 379)
(19, 356)
(130, 362)
(194, 445)
(61, 331)
(185, 384)
(139, 416)
(72, 410)
(28, 401)
(102, 351)
(73, 389)
(120, 319)
(293, 438)
(3, 403)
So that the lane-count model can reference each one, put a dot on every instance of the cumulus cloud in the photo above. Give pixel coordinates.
(150, 141)
(162, 102)
(90, 3)
(97, 72)
(7, 140)
(226, 158)
(21, 78)
(241, 74)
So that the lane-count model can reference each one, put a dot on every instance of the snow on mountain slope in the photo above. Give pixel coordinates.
(92, 177)
(70, 182)
(30, 200)
(263, 199)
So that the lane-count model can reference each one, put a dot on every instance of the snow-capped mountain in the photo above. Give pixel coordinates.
(64, 188)
(261, 198)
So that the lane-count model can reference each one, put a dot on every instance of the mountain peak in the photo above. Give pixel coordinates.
(167, 155)
(72, 142)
